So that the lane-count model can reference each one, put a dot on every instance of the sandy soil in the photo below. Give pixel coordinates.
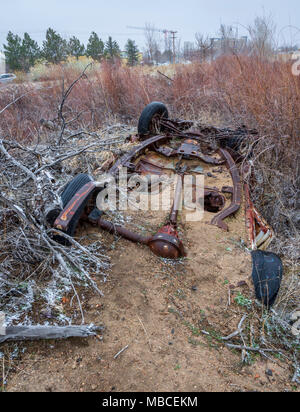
(170, 315)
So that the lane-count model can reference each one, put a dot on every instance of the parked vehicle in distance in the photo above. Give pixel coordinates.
(7, 78)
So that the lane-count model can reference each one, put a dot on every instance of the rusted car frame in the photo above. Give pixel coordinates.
(194, 145)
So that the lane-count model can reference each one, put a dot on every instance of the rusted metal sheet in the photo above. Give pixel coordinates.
(189, 150)
(145, 167)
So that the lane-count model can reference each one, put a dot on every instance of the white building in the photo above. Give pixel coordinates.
(2, 63)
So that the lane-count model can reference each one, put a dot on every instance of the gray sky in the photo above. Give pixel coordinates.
(80, 17)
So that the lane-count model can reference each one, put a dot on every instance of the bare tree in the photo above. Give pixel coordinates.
(203, 46)
(153, 49)
(262, 36)
(229, 39)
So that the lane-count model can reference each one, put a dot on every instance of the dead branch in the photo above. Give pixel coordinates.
(15, 162)
(65, 95)
(32, 264)
(15, 333)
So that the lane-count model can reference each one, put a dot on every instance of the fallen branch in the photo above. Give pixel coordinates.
(16, 333)
(121, 351)
(251, 349)
(16, 163)
(238, 331)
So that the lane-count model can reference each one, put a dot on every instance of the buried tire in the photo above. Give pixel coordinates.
(267, 271)
(149, 119)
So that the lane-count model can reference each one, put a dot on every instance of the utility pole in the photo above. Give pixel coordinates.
(161, 31)
(174, 50)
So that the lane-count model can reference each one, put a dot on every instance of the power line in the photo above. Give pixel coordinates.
(165, 31)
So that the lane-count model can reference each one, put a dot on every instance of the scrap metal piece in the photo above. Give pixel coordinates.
(189, 149)
(127, 158)
(120, 230)
(260, 233)
(175, 125)
(236, 196)
(167, 244)
(267, 272)
(177, 197)
(214, 201)
(145, 166)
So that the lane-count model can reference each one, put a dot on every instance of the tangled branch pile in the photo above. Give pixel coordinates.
(35, 271)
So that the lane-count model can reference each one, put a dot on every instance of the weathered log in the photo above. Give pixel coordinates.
(14, 333)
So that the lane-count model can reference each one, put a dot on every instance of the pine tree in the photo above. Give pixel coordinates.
(112, 49)
(75, 48)
(132, 53)
(13, 51)
(55, 47)
(95, 47)
(30, 52)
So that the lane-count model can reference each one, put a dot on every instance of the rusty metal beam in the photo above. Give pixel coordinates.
(236, 195)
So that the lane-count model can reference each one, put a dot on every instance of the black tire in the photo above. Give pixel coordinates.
(153, 109)
(267, 275)
(70, 190)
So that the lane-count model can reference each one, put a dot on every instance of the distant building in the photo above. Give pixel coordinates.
(226, 45)
(2, 63)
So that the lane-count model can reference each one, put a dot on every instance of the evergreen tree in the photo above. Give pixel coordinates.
(13, 51)
(55, 47)
(30, 52)
(132, 53)
(75, 48)
(95, 47)
(112, 49)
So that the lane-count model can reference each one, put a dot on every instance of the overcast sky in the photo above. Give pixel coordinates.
(80, 17)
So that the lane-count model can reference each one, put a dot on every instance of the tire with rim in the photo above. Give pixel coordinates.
(152, 110)
(70, 190)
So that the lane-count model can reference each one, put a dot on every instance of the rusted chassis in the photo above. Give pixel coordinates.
(166, 243)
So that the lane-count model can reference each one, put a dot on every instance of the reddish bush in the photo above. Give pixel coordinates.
(239, 89)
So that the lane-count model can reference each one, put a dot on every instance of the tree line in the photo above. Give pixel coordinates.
(22, 54)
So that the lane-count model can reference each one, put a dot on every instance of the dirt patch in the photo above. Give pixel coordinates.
(157, 310)
(171, 315)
